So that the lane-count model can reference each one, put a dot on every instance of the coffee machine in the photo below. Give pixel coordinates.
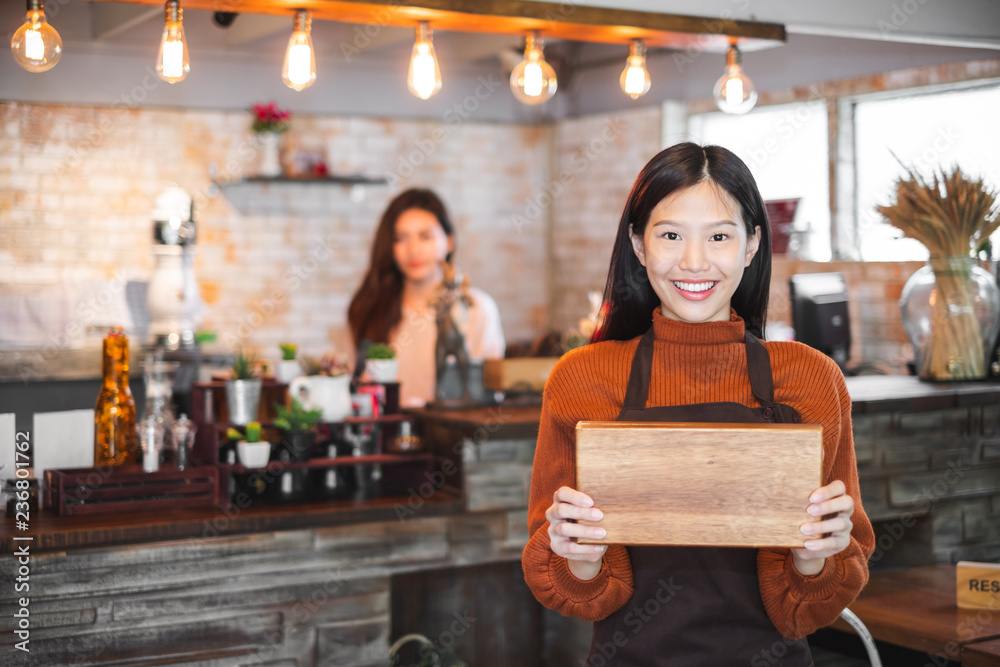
(173, 298)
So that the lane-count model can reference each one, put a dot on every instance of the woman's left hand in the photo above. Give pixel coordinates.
(829, 536)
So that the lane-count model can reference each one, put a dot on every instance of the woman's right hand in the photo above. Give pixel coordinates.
(569, 505)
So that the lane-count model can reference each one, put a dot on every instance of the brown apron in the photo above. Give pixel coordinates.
(697, 606)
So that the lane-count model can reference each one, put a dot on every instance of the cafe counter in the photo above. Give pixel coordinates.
(337, 582)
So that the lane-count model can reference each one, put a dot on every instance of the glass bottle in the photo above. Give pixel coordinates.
(115, 438)
(159, 378)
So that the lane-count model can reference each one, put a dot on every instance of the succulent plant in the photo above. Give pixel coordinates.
(288, 351)
(296, 418)
(244, 366)
(380, 351)
(252, 435)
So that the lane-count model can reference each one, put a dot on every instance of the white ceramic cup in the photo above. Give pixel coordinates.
(330, 395)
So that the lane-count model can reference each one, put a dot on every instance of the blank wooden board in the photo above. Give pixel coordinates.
(672, 483)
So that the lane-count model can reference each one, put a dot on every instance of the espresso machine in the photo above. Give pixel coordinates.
(173, 298)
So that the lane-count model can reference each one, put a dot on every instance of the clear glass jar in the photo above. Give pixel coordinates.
(951, 313)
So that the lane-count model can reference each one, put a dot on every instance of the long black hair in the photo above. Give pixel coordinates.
(629, 299)
(377, 306)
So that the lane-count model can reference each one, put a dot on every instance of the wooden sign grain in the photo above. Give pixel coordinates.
(662, 483)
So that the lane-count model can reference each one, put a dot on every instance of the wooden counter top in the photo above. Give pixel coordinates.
(916, 608)
(496, 421)
(888, 393)
(52, 532)
(869, 394)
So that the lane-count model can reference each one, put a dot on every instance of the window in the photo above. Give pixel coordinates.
(787, 149)
(926, 131)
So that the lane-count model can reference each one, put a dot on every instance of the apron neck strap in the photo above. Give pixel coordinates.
(758, 363)
(759, 366)
(637, 391)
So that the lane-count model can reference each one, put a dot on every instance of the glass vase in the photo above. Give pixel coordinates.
(951, 313)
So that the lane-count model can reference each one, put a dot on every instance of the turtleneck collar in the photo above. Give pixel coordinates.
(703, 333)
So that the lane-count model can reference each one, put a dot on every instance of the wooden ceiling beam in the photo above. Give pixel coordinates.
(554, 20)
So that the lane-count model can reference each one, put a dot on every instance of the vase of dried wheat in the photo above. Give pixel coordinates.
(951, 314)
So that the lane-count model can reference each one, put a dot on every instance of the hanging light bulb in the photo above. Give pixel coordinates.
(533, 81)
(734, 92)
(299, 71)
(172, 64)
(635, 77)
(36, 45)
(424, 78)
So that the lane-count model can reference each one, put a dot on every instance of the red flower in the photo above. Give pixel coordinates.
(269, 118)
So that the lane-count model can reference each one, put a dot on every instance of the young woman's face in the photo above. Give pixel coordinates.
(420, 243)
(695, 249)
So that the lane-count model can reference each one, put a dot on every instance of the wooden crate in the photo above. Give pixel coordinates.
(699, 484)
(519, 374)
(80, 491)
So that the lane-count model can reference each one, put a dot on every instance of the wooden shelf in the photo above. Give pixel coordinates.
(387, 459)
(52, 533)
(562, 21)
(356, 179)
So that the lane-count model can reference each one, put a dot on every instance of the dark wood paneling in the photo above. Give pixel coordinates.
(486, 612)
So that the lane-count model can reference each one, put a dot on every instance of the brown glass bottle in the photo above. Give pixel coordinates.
(115, 439)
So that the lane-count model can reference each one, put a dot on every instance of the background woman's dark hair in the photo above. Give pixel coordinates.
(377, 305)
(629, 299)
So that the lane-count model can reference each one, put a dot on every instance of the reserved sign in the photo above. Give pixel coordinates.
(978, 585)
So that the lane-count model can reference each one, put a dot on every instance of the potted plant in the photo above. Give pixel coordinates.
(243, 389)
(288, 368)
(298, 423)
(381, 363)
(950, 307)
(253, 452)
(268, 122)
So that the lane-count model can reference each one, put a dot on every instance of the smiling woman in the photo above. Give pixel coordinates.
(686, 300)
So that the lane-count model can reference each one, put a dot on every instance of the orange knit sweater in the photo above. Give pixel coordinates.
(695, 363)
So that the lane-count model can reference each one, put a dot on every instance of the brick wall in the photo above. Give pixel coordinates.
(874, 287)
(596, 160)
(536, 210)
(78, 184)
(941, 466)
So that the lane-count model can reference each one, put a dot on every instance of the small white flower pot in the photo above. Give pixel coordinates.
(287, 371)
(382, 370)
(254, 454)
